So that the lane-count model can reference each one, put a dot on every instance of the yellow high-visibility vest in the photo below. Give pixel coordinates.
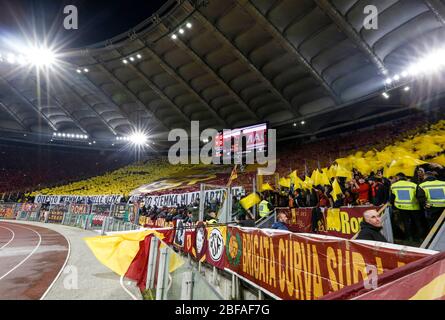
(264, 209)
(405, 194)
(434, 192)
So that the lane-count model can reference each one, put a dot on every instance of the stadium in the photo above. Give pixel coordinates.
(222, 150)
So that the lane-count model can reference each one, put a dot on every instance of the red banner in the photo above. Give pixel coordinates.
(297, 267)
(216, 241)
(342, 222)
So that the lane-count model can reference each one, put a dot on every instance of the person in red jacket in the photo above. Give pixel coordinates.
(362, 189)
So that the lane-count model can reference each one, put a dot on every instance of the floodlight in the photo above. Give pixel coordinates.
(385, 95)
(125, 61)
(41, 57)
(406, 89)
(138, 138)
(189, 25)
(139, 56)
(174, 36)
(181, 31)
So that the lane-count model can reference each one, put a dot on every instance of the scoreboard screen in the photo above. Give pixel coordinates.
(227, 143)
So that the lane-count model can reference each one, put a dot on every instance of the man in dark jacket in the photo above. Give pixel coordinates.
(281, 222)
(371, 226)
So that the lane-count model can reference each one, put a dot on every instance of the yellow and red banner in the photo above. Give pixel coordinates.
(420, 280)
(341, 222)
(307, 267)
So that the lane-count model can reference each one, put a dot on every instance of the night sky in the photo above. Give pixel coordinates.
(98, 19)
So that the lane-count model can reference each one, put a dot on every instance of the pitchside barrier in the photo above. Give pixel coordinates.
(28, 211)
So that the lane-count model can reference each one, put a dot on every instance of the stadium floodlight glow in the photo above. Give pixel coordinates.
(303, 122)
(385, 95)
(138, 138)
(388, 81)
(138, 56)
(131, 59)
(10, 58)
(125, 61)
(188, 25)
(174, 36)
(181, 31)
(86, 70)
(404, 74)
(41, 56)
(396, 77)
(21, 60)
(406, 89)
(79, 71)
(295, 124)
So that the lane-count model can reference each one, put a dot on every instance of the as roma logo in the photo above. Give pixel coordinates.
(234, 248)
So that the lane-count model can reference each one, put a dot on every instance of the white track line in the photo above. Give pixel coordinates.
(28, 256)
(61, 270)
(126, 290)
(13, 236)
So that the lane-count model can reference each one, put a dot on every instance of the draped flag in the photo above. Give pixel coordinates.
(127, 254)
(216, 245)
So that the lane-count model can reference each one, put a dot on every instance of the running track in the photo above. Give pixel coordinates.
(31, 258)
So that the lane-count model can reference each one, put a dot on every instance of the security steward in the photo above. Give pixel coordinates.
(403, 197)
(431, 197)
(265, 208)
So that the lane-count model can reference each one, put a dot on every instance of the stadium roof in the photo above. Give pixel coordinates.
(241, 62)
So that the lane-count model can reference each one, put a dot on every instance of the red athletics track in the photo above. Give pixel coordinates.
(31, 257)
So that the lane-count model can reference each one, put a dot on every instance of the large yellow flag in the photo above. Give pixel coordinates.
(323, 179)
(249, 201)
(440, 160)
(336, 190)
(266, 187)
(284, 182)
(342, 172)
(308, 183)
(117, 252)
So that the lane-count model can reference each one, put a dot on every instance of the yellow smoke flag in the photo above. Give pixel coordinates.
(439, 160)
(284, 182)
(336, 190)
(266, 187)
(117, 252)
(249, 201)
(342, 172)
(316, 175)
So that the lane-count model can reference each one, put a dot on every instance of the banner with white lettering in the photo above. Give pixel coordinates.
(185, 199)
(105, 199)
